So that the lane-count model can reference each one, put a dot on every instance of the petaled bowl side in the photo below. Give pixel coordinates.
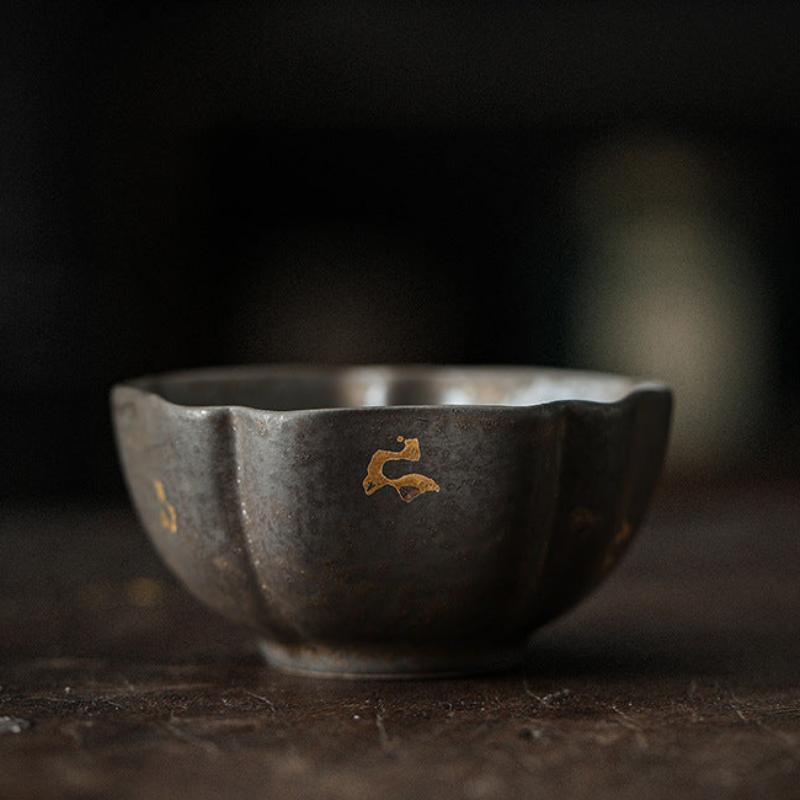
(275, 519)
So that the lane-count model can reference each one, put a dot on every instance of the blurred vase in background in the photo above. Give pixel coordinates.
(671, 288)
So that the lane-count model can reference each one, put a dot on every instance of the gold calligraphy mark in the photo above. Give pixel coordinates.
(623, 534)
(168, 516)
(617, 546)
(408, 487)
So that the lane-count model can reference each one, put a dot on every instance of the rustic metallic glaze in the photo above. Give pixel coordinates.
(282, 497)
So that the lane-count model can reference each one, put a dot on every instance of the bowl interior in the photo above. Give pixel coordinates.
(284, 388)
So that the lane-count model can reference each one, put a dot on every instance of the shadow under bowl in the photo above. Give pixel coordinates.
(391, 521)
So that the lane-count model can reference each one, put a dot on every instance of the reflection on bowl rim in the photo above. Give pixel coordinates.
(550, 385)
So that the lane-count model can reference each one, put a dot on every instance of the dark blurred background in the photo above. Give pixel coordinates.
(608, 186)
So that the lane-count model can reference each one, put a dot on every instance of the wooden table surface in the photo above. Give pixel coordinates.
(679, 678)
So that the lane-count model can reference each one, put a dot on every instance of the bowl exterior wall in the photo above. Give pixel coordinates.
(302, 525)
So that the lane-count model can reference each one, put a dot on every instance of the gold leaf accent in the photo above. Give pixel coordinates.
(168, 515)
(408, 487)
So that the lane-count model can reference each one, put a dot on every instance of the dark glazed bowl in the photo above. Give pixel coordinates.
(391, 521)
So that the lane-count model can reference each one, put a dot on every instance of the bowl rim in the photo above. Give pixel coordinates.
(148, 385)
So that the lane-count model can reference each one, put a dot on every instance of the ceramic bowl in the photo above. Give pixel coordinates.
(391, 521)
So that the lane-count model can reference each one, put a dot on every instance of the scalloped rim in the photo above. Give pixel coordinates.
(144, 385)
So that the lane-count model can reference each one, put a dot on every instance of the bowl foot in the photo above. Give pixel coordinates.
(391, 662)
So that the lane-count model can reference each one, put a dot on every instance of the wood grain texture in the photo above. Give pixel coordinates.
(679, 678)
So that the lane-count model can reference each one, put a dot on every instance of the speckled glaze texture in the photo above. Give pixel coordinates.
(264, 491)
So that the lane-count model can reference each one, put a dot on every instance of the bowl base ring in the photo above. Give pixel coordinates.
(392, 663)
